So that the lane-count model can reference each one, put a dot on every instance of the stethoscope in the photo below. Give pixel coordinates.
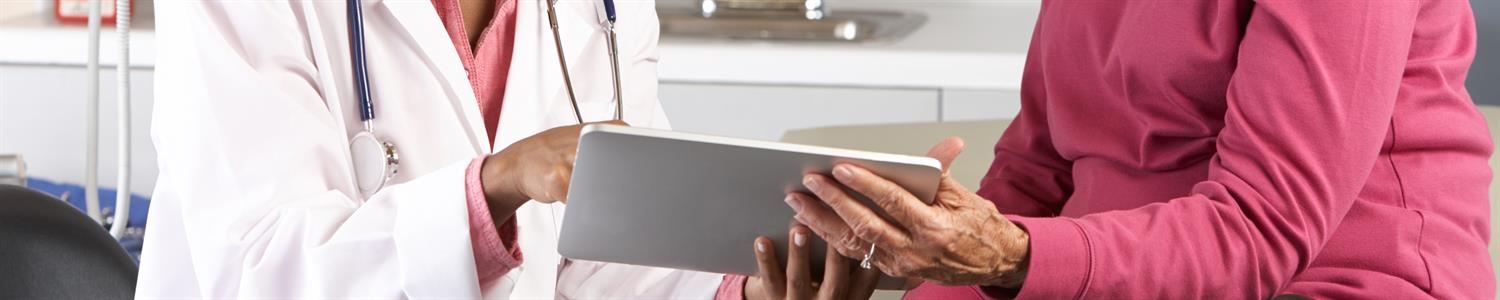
(376, 161)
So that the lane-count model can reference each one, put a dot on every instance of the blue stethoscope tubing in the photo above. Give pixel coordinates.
(357, 57)
(376, 161)
(609, 11)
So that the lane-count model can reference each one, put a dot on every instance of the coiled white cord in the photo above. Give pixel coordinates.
(122, 96)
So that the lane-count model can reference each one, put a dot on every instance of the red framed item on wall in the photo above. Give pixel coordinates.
(77, 11)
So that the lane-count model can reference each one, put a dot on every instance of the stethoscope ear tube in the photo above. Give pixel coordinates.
(614, 58)
(614, 68)
(562, 61)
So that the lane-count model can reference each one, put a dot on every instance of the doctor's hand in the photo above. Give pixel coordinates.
(840, 279)
(538, 168)
(960, 239)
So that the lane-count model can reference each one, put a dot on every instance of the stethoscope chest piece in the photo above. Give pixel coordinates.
(374, 162)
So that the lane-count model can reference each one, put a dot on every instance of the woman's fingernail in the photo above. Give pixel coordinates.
(794, 203)
(842, 172)
(759, 247)
(810, 182)
(799, 238)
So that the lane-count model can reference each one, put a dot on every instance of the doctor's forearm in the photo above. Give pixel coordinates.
(493, 237)
(501, 193)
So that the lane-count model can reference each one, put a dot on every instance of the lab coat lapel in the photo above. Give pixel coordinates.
(536, 98)
(521, 115)
(425, 29)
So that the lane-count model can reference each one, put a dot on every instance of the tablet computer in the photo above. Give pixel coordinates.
(697, 202)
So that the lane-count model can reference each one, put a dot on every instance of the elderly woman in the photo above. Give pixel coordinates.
(1208, 149)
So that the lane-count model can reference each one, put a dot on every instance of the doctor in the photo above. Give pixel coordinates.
(258, 193)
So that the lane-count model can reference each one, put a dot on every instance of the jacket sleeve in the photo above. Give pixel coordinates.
(254, 165)
(1028, 176)
(1309, 107)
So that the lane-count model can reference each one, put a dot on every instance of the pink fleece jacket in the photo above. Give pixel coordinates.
(1247, 149)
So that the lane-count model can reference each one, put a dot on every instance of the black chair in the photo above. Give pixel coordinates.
(50, 250)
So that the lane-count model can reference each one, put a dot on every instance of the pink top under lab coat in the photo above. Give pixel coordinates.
(1245, 149)
(495, 250)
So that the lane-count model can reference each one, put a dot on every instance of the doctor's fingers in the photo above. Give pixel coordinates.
(825, 224)
(615, 122)
(835, 284)
(862, 221)
(864, 282)
(883, 260)
(907, 210)
(798, 271)
(772, 276)
(565, 147)
(558, 182)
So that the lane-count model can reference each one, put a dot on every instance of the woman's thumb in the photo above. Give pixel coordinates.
(946, 151)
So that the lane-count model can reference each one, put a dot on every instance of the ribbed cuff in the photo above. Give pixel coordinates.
(732, 288)
(495, 249)
(1061, 260)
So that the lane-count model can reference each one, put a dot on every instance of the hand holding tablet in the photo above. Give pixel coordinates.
(695, 202)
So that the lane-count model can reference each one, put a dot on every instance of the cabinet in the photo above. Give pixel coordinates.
(971, 105)
(43, 118)
(765, 112)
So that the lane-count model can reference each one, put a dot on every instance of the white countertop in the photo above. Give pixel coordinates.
(964, 44)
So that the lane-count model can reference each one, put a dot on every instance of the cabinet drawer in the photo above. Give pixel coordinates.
(765, 112)
(970, 105)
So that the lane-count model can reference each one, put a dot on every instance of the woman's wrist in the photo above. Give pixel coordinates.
(1014, 278)
(1013, 267)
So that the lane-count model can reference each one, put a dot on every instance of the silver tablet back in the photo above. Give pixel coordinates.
(696, 202)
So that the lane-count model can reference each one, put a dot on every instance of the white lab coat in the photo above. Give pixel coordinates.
(256, 196)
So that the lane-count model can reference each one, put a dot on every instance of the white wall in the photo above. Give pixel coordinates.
(42, 117)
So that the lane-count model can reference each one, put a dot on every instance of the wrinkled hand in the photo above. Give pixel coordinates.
(960, 239)
(538, 167)
(840, 280)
